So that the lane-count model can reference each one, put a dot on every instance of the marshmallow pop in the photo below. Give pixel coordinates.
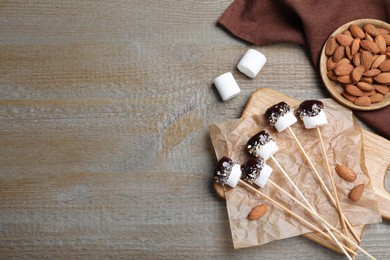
(227, 172)
(312, 113)
(280, 116)
(256, 171)
(261, 145)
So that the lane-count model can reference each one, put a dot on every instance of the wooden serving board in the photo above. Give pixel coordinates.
(376, 151)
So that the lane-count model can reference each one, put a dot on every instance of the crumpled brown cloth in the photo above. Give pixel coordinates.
(309, 23)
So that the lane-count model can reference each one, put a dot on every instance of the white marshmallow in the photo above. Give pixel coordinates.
(251, 63)
(285, 121)
(314, 121)
(227, 86)
(264, 175)
(267, 150)
(235, 176)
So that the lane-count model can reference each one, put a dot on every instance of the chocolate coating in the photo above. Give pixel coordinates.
(252, 168)
(273, 113)
(261, 138)
(223, 170)
(310, 108)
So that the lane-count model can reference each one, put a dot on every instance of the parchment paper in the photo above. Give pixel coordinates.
(344, 145)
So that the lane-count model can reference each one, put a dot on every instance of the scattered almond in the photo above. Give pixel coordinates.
(257, 212)
(356, 193)
(346, 173)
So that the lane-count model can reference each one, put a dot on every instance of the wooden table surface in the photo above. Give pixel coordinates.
(104, 144)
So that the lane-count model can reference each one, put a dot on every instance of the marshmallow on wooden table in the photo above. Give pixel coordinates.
(251, 63)
(257, 171)
(312, 113)
(228, 172)
(227, 86)
(281, 116)
(261, 145)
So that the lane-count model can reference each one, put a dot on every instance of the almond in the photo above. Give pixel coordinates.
(366, 59)
(257, 212)
(363, 101)
(385, 66)
(344, 40)
(383, 78)
(348, 96)
(365, 86)
(331, 75)
(370, 29)
(348, 52)
(356, 59)
(369, 93)
(383, 31)
(356, 193)
(378, 61)
(338, 53)
(380, 41)
(368, 37)
(346, 32)
(356, 45)
(381, 89)
(344, 79)
(330, 65)
(387, 38)
(330, 46)
(346, 173)
(344, 69)
(353, 90)
(365, 79)
(356, 31)
(372, 73)
(370, 46)
(377, 97)
(357, 73)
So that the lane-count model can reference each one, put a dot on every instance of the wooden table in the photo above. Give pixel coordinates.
(104, 144)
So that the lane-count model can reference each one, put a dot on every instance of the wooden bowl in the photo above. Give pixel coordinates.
(336, 88)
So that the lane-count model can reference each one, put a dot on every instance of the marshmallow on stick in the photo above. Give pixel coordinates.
(257, 171)
(281, 116)
(223, 174)
(262, 145)
(312, 113)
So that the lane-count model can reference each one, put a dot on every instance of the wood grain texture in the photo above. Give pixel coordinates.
(104, 115)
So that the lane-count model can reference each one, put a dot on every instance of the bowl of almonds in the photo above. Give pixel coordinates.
(355, 64)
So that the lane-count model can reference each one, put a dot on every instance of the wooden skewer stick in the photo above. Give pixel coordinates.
(318, 216)
(307, 223)
(308, 204)
(338, 206)
(323, 185)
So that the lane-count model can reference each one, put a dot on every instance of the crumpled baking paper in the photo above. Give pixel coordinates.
(344, 145)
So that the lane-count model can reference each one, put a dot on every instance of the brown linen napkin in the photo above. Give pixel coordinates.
(309, 23)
